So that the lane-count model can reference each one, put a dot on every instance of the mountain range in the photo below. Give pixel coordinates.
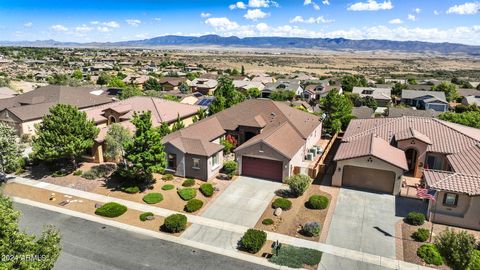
(270, 42)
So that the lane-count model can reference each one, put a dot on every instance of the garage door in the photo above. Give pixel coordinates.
(262, 168)
(368, 178)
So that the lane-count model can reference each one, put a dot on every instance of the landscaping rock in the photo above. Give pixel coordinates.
(98, 205)
(278, 212)
(150, 218)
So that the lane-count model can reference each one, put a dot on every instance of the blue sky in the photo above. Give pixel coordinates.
(107, 20)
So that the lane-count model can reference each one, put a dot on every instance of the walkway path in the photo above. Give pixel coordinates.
(226, 226)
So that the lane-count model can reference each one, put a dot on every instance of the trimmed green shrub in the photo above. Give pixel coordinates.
(187, 193)
(153, 198)
(421, 235)
(131, 189)
(168, 187)
(296, 257)
(99, 171)
(475, 261)
(415, 218)
(175, 223)
(111, 210)
(207, 189)
(267, 221)
(193, 205)
(77, 172)
(298, 184)
(429, 254)
(230, 167)
(253, 240)
(188, 182)
(311, 228)
(317, 202)
(283, 203)
(167, 177)
(145, 215)
(59, 173)
(89, 175)
(456, 248)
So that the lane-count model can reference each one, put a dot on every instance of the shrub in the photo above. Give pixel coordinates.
(193, 205)
(456, 248)
(267, 221)
(207, 189)
(168, 187)
(188, 182)
(475, 261)
(111, 210)
(429, 254)
(175, 223)
(298, 184)
(59, 173)
(311, 228)
(230, 167)
(167, 177)
(145, 215)
(253, 240)
(415, 218)
(99, 171)
(296, 257)
(78, 172)
(89, 175)
(283, 203)
(318, 202)
(153, 198)
(187, 193)
(421, 235)
(131, 189)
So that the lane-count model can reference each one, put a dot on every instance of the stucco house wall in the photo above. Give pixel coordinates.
(465, 214)
(363, 162)
(180, 169)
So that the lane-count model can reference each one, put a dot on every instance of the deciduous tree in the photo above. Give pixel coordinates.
(10, 151)
(337, 109)
(117, 136)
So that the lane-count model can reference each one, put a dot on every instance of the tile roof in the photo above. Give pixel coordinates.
(377, 93)
(196, 146)
(398, 112)
(372, 145)
(411, 133)
(473, 100)
(414, 94)
(452, 181)
(363, 112)
(467, 161)
(463, 92)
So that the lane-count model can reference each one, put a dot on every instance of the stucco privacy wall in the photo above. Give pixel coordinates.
(365, 163)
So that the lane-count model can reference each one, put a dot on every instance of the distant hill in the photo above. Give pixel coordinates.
(272, 42)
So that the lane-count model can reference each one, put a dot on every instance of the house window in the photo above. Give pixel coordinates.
(450, 199)
(215, 160)
(434, 163)
(196, 163)
(172, 161)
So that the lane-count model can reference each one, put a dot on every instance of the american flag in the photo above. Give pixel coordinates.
(424, 194)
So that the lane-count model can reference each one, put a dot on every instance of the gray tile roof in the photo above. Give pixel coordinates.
(399, 112)
(377, 93)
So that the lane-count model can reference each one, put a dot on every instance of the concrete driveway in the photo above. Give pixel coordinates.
(242, 203)
(362, 221)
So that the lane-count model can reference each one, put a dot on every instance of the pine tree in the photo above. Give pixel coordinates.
(178, 124)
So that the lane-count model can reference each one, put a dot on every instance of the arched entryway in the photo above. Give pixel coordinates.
(111, 120)
(412, 156)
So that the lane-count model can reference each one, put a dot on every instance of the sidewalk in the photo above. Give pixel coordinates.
(227, 227)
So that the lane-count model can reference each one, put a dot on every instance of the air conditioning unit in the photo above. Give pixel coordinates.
(309, 156)
(313, 151)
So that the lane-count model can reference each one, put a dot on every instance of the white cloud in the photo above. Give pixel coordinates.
(94, 22)
(411, 17)
(468, 8)
(28, 24)
(222, 24)
(436, 12)
(133, 22)
(326, 2)
(262, 3)
(395, 21)
(255, 14)
(142, 35)
(314, 5)
(262, 27)
(239, 5)
(311, 20)
(157, 19)
(205, 14)
(111, 24)
(103, 29)
(417, 10)
(83, 28)
(371, 5)
(59, 28)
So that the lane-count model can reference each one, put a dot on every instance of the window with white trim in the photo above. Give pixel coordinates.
(215, 160)
(196, 163)
(450, 199)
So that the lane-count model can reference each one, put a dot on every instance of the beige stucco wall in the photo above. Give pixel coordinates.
(363, 162)
(29, 127)
(214, 170)
(466, 214)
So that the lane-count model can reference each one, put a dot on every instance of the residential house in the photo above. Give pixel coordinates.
(471, 100)
(362, 112)
(381, 95)
(137, 80)
(263, 78)
(172, 83)
(424, 100)
(283, 85)
(317, 91)
(6, 92)
(22, 112)
(204, 86)
(243, 85)
(376, 153)
(123, 111)
(273, 139)
(399, 112)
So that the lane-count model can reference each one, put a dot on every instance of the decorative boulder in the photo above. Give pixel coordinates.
(98, 205)
(150, 218)
(278, 211)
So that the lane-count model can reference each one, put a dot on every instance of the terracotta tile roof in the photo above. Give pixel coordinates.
(196, 146)
(467, 161)
(447, 138)
(175, 81)
(372, 145)
(411, 133)
(452, 181)
(207, 129)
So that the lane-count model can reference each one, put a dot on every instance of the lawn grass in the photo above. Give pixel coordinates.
(296, 257)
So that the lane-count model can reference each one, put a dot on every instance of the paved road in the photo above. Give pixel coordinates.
(88, 245)
(242, 203)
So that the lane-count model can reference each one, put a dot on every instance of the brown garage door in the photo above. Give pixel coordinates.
(262, 168)
(367, 178)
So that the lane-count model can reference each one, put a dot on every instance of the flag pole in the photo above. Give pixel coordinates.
(434, 210)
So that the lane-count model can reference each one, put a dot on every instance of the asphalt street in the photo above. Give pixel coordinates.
(89, 245)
